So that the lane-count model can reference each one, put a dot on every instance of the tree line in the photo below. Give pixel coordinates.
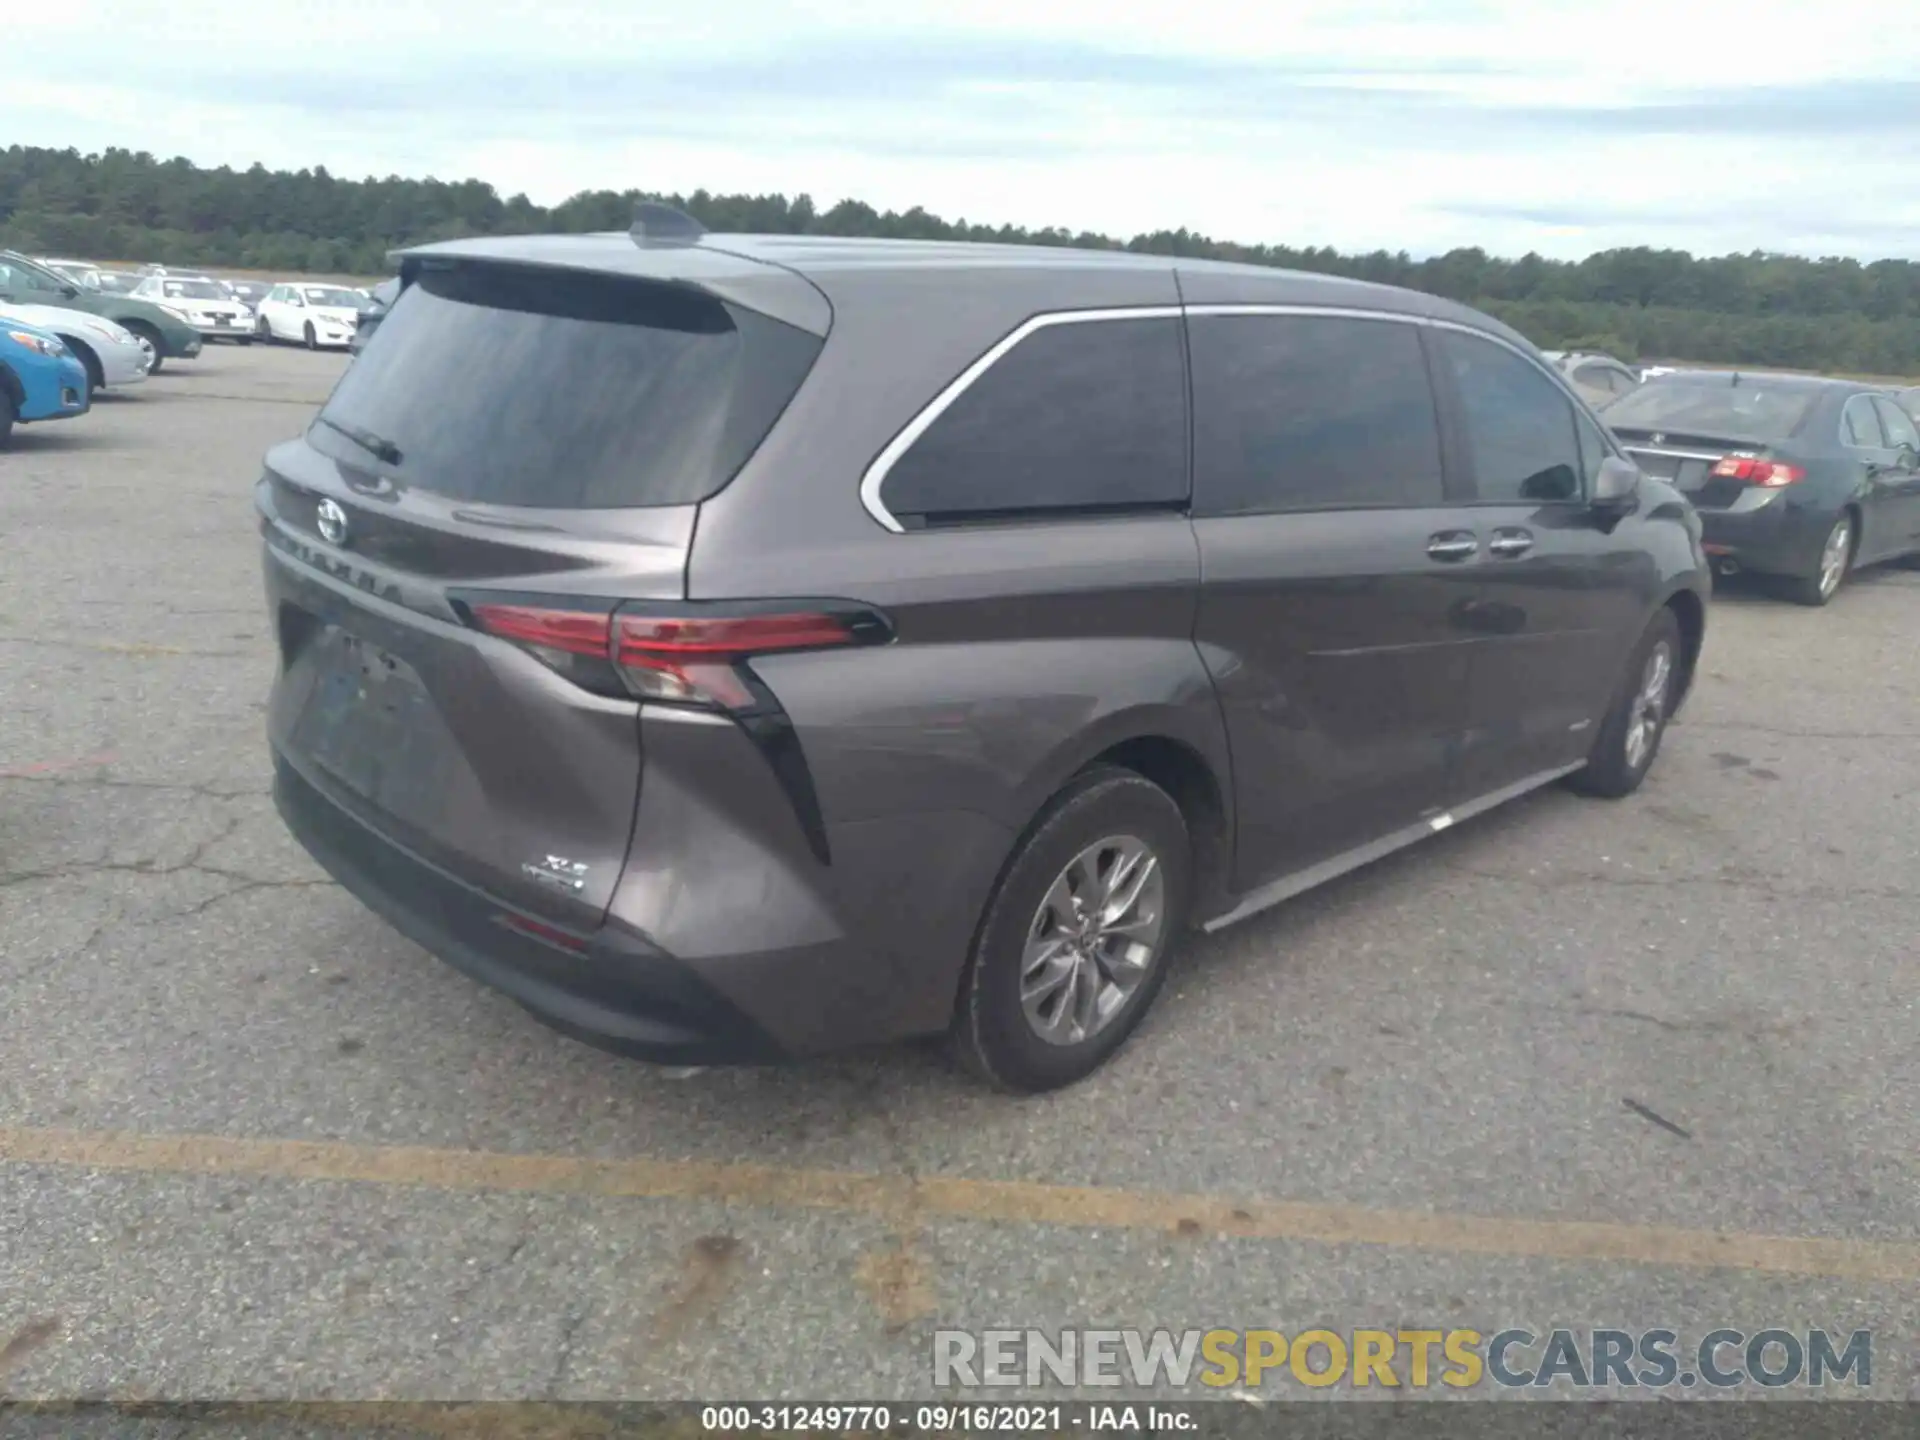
(1756, 309)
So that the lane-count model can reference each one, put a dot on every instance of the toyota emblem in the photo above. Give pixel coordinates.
(332, 522)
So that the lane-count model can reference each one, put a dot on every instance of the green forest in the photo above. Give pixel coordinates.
(1640, 303)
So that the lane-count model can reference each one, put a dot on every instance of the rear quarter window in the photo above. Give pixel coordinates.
(1078, 417)
(523, 387)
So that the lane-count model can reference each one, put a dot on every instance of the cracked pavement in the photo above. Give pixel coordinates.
(1479, 1026)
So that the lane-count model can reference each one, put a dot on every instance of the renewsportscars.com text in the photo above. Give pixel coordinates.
(1417, 1359)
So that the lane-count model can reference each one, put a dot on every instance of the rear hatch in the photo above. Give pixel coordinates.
(524, 452)
(1696, 430)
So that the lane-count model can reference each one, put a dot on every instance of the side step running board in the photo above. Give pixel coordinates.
(1301, 881)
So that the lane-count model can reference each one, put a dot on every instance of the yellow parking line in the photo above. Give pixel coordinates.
(892, 1197)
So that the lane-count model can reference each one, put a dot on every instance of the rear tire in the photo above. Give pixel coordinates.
(1630, 736)
(1044, 1003)
(1830, 567)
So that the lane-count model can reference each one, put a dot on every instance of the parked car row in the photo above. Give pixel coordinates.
(69, 329)
(318, 315)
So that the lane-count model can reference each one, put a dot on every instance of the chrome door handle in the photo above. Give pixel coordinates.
(1453, 546)
(1509, 543)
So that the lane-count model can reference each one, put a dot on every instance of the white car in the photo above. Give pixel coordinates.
(83, 274)
(113, 356)
(315, 315)
(202, 303)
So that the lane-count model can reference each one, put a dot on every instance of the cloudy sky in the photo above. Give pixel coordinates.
(1554, 126)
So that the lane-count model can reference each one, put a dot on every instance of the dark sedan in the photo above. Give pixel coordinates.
(1794, 477)
(373, 312)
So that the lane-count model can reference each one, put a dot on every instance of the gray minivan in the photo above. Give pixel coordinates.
(738, 647)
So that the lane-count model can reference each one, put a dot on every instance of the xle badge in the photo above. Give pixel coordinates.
(559, 872)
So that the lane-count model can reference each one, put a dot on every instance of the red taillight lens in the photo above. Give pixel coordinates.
(1756, 470)
(687, 658)
(552, 935)
(579, 632)
(695, 658)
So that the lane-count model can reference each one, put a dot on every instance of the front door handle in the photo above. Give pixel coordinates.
(1508, 544)
(1453, 546)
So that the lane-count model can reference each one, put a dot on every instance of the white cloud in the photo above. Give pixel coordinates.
(1558, 126)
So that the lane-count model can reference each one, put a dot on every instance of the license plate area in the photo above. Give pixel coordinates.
(370, 723)
(1691, 476)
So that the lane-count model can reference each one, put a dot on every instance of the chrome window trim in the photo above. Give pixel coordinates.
(1632, 449)
(876, 473)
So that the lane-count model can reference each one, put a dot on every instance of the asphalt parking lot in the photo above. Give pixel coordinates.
(1574, 1063)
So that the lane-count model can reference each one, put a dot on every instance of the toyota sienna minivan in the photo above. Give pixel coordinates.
(738, 647)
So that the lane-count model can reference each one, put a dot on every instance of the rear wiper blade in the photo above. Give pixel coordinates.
(377, 446)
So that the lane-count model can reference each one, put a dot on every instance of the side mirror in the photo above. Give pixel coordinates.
(1617, 485)
(70, 291)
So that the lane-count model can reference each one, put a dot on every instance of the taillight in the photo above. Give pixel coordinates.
(1756, 470)
(687, 655)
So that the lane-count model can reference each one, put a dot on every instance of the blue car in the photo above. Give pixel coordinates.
(40, 379)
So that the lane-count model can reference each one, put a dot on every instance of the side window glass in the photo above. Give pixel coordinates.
(1898, 424)
(1859, 426)
(1519, 425)
(1295, 412)
(1078, 416)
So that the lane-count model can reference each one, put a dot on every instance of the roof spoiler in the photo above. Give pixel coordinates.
(657, 224)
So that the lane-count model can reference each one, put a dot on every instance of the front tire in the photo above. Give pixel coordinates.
(150, 345)
(313, 340)
(1075, 943)
(1630, 737)
(1829, 567)
(96, 373)
(262, 329)
(6, 418)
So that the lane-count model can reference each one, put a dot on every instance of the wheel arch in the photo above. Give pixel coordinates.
(88, 357)
(10, 383)
(1690, 612)
(1176, 749)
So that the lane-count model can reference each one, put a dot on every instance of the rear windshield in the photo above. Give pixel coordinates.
(1751, 410)
(513, 386)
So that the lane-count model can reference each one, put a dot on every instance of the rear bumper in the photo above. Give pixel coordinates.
(1775, 538)
(620, 993)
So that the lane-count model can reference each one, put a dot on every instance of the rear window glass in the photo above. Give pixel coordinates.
(1751, 410)
(514, 386)
(1081, 416)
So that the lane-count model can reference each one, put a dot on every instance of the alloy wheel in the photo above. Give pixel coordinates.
(1094, 939)
(1834, 556)
(1649, 705)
